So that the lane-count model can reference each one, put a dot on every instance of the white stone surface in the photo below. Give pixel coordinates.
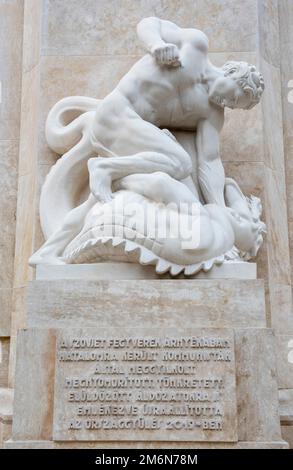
(174, 86)
(128, 271)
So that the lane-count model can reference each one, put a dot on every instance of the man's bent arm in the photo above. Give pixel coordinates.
(211, 174)
(154, 32)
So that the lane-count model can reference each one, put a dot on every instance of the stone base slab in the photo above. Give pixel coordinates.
(133, 271)
(202, 303)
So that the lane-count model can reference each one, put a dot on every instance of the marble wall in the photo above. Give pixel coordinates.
(286, 77)
(27, 167)
(11, 25)
(84, 47)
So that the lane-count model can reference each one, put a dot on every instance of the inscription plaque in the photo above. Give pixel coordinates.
(146, 385)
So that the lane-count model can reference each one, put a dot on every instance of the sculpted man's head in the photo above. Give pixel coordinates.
(240, 86)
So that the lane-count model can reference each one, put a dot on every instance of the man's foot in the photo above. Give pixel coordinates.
(100, 179)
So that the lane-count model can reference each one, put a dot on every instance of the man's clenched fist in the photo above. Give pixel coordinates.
(166, 54)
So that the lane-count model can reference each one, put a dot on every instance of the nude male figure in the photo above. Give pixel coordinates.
(173, 86)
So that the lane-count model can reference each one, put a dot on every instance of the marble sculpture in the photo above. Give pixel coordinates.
(153, 144)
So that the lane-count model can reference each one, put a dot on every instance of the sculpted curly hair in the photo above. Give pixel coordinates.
(247, 77)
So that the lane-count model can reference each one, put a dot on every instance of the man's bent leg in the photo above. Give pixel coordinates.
(103, 171)
(158, 187)
(131, 145)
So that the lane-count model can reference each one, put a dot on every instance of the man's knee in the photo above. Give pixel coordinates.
(91, 163)
(209, 157)
(159, 180)
(98, 163)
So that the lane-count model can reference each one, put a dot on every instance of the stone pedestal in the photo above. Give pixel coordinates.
(230, 397)
(134, 271)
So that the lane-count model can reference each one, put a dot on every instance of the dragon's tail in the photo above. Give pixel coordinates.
(67, 132)
(66, 122)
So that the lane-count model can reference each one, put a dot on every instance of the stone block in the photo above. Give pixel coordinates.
(269, 30)
(4, 361)
(11, 26)
(8, 171)
(286, 406)
(138, 384)
(128, 271)
(285, 361)
(257, 385)
(5, 313)
(256, 391)
(286, 415)
(33, 413)
(6, 409)
(203, 303)
(92, 308)
(287, 435)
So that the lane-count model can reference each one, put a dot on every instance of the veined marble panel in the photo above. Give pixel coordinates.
(87, 27)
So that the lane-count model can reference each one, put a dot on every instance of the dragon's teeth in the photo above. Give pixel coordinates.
(192, 269)
(208, 265)
(117, 241)
(175, 269)
(130, 246)
(162, 266)
(147, 257)
(220, 259)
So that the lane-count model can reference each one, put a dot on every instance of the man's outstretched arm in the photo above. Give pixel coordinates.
(162, 39)
(211, 174)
